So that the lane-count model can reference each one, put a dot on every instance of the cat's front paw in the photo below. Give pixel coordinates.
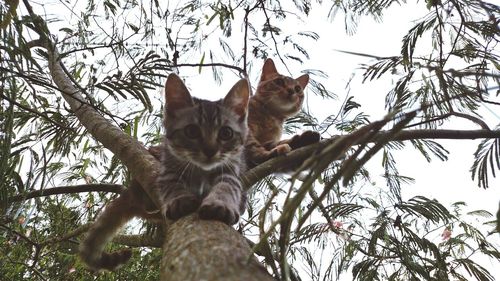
(304, 139)
(280, 149)
(219, 210)
(283, 148)
(181, 206)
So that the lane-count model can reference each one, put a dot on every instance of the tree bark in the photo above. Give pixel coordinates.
(208, 250)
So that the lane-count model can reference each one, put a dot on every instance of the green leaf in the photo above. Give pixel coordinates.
(201, 62)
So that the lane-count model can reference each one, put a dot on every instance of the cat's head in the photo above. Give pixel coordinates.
(280, 93)
(205, 133)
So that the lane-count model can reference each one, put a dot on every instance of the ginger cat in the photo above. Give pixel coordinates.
(277, 98)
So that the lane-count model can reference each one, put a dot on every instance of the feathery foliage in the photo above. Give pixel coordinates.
(330, 218)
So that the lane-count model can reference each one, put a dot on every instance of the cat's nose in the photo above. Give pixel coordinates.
(290, 92)
(209, 152)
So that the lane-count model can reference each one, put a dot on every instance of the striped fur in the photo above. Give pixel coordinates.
(202, 158)
(195, 172)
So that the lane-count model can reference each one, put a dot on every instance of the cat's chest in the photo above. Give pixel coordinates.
(199, 184)
(266, 130)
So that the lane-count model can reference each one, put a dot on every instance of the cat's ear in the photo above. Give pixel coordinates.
(268, 70)
(237, 98)
(176, 95)
(303, 80)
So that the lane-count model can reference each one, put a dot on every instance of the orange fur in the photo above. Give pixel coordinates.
(277, 98)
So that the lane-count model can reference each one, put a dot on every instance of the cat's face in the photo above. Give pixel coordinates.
(281, 93)
(205, 133)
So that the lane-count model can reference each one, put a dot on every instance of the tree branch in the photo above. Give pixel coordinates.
(141, 240)
(141, 164)
(296, 157)
(220, 253)
(233, 67)
(36, 112)
(70, 189)
(79, 230)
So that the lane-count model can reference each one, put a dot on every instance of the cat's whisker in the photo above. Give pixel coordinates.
(184, 170)
(231, 169)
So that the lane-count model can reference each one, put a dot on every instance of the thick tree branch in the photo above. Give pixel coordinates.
(143, 166)
(220, 253)
(70, 189)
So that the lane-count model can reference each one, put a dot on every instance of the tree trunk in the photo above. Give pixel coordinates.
(208, 250)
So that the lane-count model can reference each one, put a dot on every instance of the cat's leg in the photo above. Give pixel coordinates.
(304, 139)
(225, 202)
(176, 200)
(117, 213)
(145, 207)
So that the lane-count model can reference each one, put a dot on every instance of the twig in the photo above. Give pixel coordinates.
(245, 38)
(70, 189)
(248, 10)
(268, 23)
(20, 235)
(37, 113)
(476, 120)
(473, 119)
(81, 229)
(239, 69)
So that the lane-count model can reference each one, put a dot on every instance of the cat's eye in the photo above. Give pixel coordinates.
(298, 89)
(192, 131)
(280, 82)
(225, 133)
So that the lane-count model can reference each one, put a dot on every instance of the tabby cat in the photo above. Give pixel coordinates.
(202, 159)
(276, 99)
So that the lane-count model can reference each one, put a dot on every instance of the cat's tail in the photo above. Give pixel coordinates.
(116, 214)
